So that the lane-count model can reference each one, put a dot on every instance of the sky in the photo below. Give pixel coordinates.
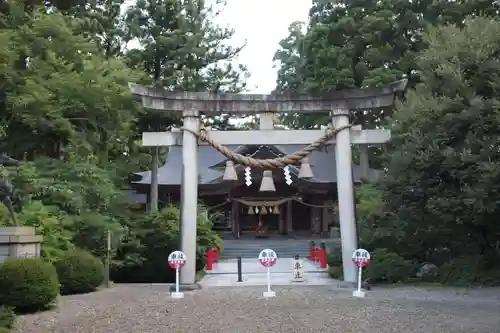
(262, 24)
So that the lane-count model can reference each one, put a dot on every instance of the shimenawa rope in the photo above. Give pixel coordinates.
(275, 163)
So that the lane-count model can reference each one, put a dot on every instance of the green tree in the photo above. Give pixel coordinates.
(290, 57)
(180, 48)
(66, 112)
(45, 102)
(442, 187)
(361, 43)
(102, 22)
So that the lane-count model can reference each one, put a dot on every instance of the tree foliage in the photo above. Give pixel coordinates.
(66, 112)
(181, 48)
(438, 201)
(443, 169)
(362, 43)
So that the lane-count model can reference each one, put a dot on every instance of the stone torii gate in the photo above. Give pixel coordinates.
(339, 103)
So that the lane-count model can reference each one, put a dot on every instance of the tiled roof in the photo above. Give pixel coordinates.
(322, 164)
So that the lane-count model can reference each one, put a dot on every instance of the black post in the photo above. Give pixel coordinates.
(240, 279)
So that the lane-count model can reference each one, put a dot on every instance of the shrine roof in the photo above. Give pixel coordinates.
(322, 163)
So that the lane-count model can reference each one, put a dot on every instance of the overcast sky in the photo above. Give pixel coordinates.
(262, 23)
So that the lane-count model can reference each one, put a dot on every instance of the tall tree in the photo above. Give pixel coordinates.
(102, 22)
(290, 59)
(363, 43)
(180, 48)
(45, 102)
(442, 186)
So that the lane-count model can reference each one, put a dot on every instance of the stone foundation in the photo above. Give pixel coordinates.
(18, 242)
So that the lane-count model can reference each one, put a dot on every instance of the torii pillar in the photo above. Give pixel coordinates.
(339, 103)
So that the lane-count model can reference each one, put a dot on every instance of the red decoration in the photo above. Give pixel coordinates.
(361, 262)
(268, 262)
(177, 263)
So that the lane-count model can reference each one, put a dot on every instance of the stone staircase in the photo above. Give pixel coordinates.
(284, 248)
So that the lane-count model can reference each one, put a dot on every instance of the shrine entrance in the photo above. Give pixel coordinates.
(341, 134)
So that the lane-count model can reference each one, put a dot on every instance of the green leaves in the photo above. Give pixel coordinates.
(444, 169)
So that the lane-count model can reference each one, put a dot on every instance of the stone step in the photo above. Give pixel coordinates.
(265, 247)
(288, 248)
(260, 246)
(253, 253)
(275, 248)
(258, 249)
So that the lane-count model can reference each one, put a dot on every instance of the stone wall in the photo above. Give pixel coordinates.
(18, 242)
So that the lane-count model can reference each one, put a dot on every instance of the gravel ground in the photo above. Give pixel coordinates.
(148, 309)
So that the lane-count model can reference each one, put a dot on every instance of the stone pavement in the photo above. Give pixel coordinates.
(225, 274)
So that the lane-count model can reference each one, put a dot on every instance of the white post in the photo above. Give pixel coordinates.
(189, 195)
(177, 294)
(269, 293)
(358, 292)
(269, 280)
(360, 270)
(345, 190)
(177, 281)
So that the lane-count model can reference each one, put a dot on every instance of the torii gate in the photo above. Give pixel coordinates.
(339, 103)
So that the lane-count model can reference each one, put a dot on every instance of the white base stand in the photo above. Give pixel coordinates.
(269, 294)
(298, 280)
(177, 295)
(358, 293)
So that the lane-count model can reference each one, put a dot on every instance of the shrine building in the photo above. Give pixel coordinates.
(297, 207)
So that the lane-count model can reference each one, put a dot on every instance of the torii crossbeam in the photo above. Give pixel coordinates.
(338, 103)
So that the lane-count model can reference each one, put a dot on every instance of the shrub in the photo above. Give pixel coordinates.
(200, 259)
(334, 257)
(7, 317)
(4, 330)
(336, 272)
(206, 237)
(143, 257)
(467, 271)
(28, 284)
(79, 272)
(388, 267)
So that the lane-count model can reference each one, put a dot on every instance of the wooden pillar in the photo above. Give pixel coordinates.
(237, 217)
(235, 214)
(315, 220)
(289, 221)
(281, 219)
(327, 218)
